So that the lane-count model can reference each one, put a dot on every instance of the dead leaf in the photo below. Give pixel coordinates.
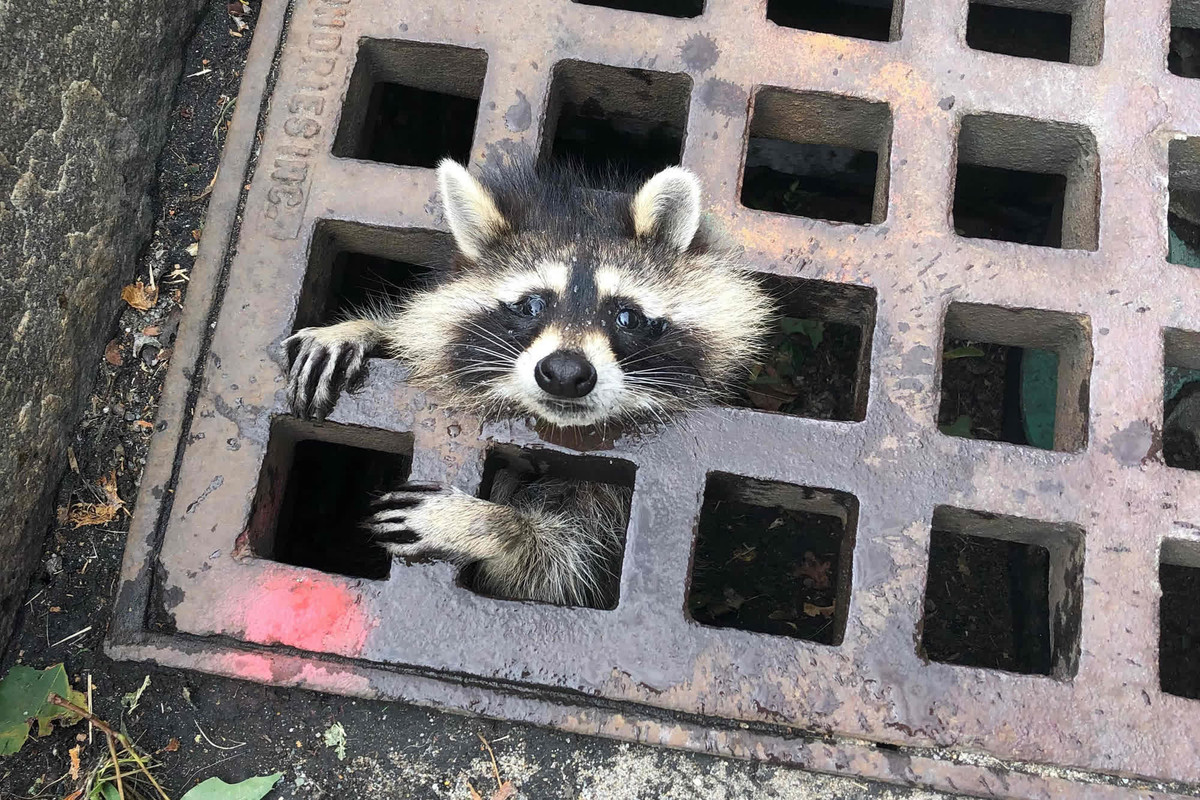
(142, 423)
(74, 754)
(108, 484)
(83, 514)
(208, 189)
(112, 351)
(768, 400)
(151, 330)
(815, 571)
(193, 249)
(505, 791)
(62, 514)
(140, 296)
(171, 747)
(99, 513)
(811, 610)
(75, 795)
(475, 795)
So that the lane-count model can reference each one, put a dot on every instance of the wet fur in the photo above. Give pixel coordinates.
(590, 255)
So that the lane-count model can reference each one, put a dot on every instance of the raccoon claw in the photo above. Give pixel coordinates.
(400, 519)
(321, 369)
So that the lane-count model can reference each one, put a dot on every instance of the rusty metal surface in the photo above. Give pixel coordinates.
(194, 595)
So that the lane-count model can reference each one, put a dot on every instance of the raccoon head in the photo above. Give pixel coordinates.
(581, 307)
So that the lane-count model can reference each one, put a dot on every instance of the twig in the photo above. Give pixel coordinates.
(112, 750)
(495, 766)
(206, 768)
(236, 744)
(90, 726)
(104, 726)
(74, 635)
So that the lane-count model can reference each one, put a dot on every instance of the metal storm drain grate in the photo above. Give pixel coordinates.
(996, 611)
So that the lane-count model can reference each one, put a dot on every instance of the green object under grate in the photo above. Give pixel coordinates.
(1039, 394)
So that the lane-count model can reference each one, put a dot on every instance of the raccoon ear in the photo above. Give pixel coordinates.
(667, 207)
(471, 212)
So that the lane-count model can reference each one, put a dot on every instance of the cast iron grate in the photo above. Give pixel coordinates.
(611, 120)
(817, 155)
(991, 204)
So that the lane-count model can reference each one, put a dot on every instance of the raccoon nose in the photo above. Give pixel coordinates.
(565, 374)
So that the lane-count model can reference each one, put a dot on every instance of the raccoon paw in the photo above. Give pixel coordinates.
(322, 367)
(423, 519)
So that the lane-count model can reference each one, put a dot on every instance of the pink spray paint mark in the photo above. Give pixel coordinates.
(317, 613)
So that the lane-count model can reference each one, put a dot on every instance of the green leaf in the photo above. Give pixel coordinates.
(108, 791)
(960, 427)
(217, 789)
(962, 352)
(23, 693)
(335, 737)
(812, 329)
(131, 700)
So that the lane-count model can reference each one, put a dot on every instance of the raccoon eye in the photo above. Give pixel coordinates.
(530, 306)
(629, 319)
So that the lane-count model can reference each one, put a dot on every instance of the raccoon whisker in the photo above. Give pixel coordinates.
(476, 371)
(504, 358)
(629, 362)
(709, 383)
(667, 383)
(470, 326)
(662, 373)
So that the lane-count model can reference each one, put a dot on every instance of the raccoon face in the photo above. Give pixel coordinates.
(580, 308)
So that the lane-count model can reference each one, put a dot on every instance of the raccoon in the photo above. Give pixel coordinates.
(579, 307)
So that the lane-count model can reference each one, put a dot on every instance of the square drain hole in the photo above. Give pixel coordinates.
(1015, 375)
(352, 267)
(316, 484)
(1183, 205)
(411, 104)
(818, 359)
(666, 8)
(1179, 623)
(818, 155)
(862, 19)
(1183, 56)
(611, 120)
(1181, 399)
(545, 480)
(1048, 30)
(1027, 181)
(1003, 593)
(773, 558)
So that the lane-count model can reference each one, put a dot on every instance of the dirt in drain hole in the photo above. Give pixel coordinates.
(810, 371)
(768, 570)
